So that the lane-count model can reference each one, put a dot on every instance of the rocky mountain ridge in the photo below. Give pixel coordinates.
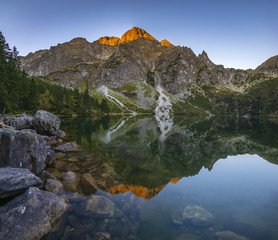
(135, 66)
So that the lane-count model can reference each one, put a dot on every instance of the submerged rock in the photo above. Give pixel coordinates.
(22, 149)
(227, 235)
(88, 184)
(197, 216)
(16, 180)
(67, 147)
(19, 122)
(98, 207)
(69, 177)
(193, 215)
(102, 236)
(46, 123)
(29, 216)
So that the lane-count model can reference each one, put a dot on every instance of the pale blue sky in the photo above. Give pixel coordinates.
(239, 34)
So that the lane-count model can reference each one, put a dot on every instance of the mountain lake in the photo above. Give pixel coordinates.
(214, 178)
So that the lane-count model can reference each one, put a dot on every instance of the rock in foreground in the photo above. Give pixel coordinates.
(22, 149)
(19, 122)
(16, 180)
(46, 123)
(29, 216)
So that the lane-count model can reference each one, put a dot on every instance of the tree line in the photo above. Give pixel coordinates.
(19, 92)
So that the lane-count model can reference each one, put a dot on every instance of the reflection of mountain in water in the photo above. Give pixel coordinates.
(133, 159)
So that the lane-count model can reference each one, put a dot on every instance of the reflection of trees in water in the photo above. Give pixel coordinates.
(137, 158)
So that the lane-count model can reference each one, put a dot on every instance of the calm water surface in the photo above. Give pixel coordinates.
(134, 181)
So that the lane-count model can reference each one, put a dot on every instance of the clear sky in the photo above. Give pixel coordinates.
(235, 33)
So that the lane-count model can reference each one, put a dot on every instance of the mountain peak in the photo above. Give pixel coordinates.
(109, 40)
(134, 34)
(165, 42)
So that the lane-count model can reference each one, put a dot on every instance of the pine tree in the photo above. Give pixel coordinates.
(87, 100)
(4, 102)
(104, 106)
(33, 96)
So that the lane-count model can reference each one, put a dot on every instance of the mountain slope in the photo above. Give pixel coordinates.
(270, 65)
(137, 59)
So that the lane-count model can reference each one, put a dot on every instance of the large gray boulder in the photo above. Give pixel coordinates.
(29, 216)
(22, 149)
(46, 123)
(16, 180)
(19, 122)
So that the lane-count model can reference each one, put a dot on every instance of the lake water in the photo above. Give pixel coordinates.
(193, 180)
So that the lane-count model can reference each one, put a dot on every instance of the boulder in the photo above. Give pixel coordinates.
(69, 177)
(30, 215)
(46, 123)
(193, 215)
(197, 216)
(98, 207)
(22, 149)
(228, 235)
(53, 185)
(67, 147)
(70, 181)
(19, 122)
(16, 180)
(88, 184)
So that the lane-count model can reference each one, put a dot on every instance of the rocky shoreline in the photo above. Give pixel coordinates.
(33, 200)
(30, 197)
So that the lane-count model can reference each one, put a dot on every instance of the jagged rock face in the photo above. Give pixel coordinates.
(64, 56)
(109, 40)
(140, 60)
(270, 65)
(134, 34)
(136, 57)
(165, 42)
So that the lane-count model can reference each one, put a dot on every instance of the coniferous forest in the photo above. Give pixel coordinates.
(19, 92)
